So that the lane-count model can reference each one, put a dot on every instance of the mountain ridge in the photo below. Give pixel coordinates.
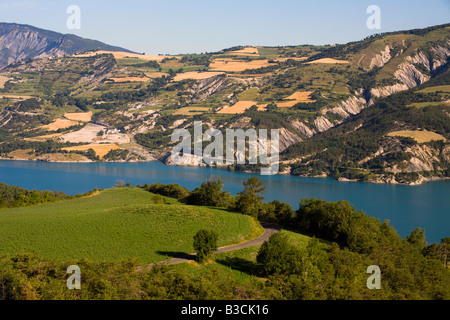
(20, 42)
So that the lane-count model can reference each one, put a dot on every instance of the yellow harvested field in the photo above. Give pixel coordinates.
(300, 96)
(129, 79)
(327, 60)
(3, 80)
(241, 106)
(246, 52)
(287, 104)
(79, 116)
(297, 97)
(60, 124)
(195, 75)
(291, 58)
(100, 149)
(9, 96)
(419, 136)
(192, 111)
(123, 55)
(48, 136)
(230, 65)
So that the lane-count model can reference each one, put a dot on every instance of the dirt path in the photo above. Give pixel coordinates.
(269, 230)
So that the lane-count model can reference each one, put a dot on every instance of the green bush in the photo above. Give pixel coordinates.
(278, 256)
(205, 243)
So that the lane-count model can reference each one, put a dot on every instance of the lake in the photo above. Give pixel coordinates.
(426, 206)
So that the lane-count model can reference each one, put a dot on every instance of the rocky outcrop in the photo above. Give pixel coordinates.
(382, 58)
(351, 106)
(240, 123)
(323, 124)
(446, 153)
(408, 74)
(301, 128)
(423, 159)
(381, 92)
(205, 88)
(287, 139)
(5, 117)
(441, 52)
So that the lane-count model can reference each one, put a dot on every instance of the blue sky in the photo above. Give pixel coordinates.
(195, 26)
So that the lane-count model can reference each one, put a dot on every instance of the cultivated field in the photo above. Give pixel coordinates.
(295, 98)
(190, 111)
(245, 52)
(230, 65)
(60, 124)
(100, 149)
(195, 75)
(327, 60)
(428, 104)
(124, 55)
(79, 116)
(241, 106)
(13, 96)
(130, 79)
(291, 58)
(419, 136)
(116, 224)
(3, 80)
(445, 89)
(153, 75)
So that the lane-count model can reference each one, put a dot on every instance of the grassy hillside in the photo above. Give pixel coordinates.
(115, 224)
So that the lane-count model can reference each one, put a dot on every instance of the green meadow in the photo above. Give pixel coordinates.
(117, 224)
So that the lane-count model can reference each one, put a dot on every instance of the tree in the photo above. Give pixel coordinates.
(210, 193)
(172, 190)
(276, 212)
(417, 239)
(172, 73)
(249, 201)
(444, 251)
(205, 243)
(277, 256)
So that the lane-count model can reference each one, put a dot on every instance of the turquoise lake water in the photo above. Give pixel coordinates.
(426, 206)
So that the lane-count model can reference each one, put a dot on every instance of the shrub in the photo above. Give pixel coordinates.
(278, 256)
(205, 243)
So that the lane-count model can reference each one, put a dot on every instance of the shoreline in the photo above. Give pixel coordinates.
(393, 182)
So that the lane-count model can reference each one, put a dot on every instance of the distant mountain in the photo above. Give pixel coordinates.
(22, 42)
